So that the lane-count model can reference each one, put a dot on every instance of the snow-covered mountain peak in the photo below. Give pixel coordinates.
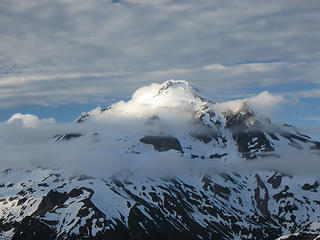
(169, 93)
(179, 85)
(175, 97)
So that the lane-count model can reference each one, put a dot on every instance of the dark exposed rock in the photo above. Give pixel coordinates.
(273, 136)
(12, 198)
(316, 146)
(21, 201)
(283, 194)
(275, 180)
(43, 185)
(21, 193)
(50, 201)
(312, 187)
(67, 136)
(31, 190)
(75, 193)
(32, 229)
(217, 155)
(261, 196)
(7, 171)
(221, 191)
(162, 143)
(292, 137)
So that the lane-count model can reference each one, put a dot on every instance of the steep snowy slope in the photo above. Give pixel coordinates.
(166, 164)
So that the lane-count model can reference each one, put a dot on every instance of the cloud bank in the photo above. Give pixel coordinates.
(109, 142)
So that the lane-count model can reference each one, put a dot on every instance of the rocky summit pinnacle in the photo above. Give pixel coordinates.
(167, 164)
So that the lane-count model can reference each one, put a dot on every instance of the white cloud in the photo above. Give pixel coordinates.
(28, 120)
(294, 162)
(265, 102)
(28, 141)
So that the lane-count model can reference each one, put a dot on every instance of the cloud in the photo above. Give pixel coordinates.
(28, 120)
(28, 141)
(314, 93)
(265, 102)
(81, 51)
(300, 163)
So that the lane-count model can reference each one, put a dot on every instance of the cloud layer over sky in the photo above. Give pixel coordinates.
(76, 51)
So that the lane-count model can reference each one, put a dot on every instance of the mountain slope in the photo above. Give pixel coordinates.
(167, 164)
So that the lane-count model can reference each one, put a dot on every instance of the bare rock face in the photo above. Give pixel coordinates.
(51, 201)
(32, 228)
(162, 143)
(66, 137)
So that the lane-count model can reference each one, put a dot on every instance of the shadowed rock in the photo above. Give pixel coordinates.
(67, 136)
(32, 229)
(50, 202)
(162, 143)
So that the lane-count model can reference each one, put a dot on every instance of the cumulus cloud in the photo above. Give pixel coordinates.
(79, 51)
(265, 102)
(28, 120)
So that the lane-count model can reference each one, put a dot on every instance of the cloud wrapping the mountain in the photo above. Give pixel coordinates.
(109, 142)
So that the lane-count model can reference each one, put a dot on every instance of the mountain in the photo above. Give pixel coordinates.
(167, 164)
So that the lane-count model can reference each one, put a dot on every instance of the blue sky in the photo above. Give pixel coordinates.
(60, 58)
